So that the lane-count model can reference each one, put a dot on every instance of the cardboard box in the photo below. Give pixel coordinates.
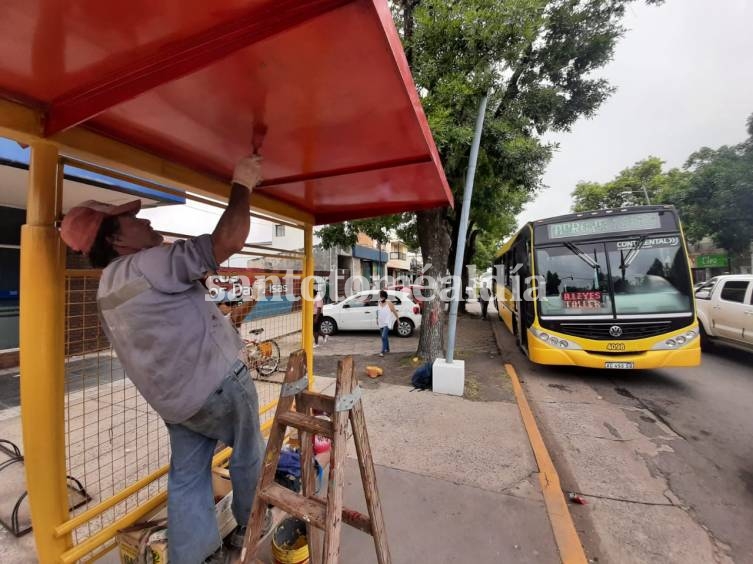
(133, 539)
(223, 497)
(150, 534)
(221, 484)
(225, 519)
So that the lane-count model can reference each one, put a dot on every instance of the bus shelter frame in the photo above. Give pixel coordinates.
(42, 318)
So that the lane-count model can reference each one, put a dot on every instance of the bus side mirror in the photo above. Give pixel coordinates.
(703, 295)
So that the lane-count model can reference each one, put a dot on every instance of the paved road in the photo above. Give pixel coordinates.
(665, 457)
(711, 409)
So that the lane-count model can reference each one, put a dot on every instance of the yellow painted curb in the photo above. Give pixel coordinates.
(565, 535)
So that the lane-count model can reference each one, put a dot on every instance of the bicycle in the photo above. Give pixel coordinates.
(263, 356)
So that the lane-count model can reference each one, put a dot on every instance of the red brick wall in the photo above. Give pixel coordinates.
(83, 332)
(8, 360)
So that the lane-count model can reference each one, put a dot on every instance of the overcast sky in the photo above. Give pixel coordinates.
(684, 78)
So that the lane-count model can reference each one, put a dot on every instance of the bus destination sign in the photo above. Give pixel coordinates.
(604, 225)
(582, 300)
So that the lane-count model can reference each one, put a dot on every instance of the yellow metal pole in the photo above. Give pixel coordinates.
(42, 327)
(308, 305)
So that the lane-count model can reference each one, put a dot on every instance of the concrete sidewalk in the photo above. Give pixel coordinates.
(457, 477)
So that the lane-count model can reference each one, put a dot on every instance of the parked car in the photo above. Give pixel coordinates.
(725, 311)
(359, 311)
(414, 292)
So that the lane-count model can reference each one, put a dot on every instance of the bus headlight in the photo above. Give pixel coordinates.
(676, 341)
(554, 341)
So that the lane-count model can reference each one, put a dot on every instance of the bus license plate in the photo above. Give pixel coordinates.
(622, 365)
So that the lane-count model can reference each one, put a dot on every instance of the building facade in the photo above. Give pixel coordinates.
(707, 260)
(399, 265)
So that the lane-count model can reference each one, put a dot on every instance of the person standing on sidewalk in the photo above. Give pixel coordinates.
(484, 295)
(386, 318)
(180, 353)
(318, 308)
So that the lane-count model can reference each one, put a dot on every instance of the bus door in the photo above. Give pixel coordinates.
(525, 312)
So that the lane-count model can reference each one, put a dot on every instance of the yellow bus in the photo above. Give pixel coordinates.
(603, 289)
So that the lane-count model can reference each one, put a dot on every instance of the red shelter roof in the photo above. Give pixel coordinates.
(189, 81)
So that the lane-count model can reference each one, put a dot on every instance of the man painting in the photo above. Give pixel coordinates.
(180, 352)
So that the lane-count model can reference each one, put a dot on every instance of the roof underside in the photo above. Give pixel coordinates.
(190, 81)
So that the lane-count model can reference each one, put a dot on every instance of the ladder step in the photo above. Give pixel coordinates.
(311, 509)
(306, 423)
(315, 400)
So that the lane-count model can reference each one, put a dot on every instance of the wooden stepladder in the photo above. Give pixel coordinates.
(320, 514)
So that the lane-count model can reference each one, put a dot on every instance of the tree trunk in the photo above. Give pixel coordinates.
(470, 252)
(465, 262)
(408, 7)
(434, 239)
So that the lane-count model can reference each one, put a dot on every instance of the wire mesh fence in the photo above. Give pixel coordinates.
(113, 438)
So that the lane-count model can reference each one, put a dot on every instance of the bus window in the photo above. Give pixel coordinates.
(575, 278)
(650, 275)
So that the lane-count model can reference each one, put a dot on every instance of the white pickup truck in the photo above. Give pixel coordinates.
(725, 311)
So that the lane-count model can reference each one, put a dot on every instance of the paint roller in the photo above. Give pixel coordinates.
(257, 137)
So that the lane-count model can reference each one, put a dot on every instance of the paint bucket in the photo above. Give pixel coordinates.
(321, 444)
(289, 543)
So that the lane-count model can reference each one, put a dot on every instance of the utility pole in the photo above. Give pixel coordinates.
(645, 193)
(463, 231)
(449, 375)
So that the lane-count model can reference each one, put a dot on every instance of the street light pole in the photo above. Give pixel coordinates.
(626, 193)
(645, 193)
(463, 231)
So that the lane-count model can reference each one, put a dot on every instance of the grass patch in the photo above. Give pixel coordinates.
(472, 389)
(408, 362)
(462, 354)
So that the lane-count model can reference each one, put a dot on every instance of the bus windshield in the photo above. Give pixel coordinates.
(649, 275)
(637, 275)
(576, 279)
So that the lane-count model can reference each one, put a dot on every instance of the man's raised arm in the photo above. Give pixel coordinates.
(231, 232)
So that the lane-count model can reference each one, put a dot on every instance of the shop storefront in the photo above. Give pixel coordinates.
(11, 220)
(706, 266)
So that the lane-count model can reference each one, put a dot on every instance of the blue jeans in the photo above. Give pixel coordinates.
(230, 415)
(385, 334)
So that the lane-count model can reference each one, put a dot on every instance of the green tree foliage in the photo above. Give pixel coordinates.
(344, 235)
(630, 187)
(538, 59)
(718, 199)
(713, 192)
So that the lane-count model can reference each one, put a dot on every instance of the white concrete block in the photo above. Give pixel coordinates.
(448, 378)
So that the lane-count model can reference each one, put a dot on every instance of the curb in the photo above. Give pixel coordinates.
(565, 535)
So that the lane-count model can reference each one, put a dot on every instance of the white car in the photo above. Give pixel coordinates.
(359, 312)
(725, 311)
